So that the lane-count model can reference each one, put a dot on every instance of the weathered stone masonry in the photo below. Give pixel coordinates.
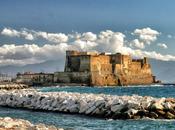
(104, 69)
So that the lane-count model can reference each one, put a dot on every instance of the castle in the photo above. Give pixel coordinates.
(103, 69)
(97, 69)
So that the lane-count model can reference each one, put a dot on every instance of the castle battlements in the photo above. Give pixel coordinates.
(109, 69)
(100, 69)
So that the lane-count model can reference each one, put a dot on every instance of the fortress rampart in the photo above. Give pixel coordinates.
(103, 69)
(96, 69)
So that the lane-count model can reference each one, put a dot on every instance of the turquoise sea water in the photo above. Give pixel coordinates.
(155, 91)
(78, 122)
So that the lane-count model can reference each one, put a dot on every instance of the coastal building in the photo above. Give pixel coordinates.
(96, 69)
(34, 78)
(5, 78)
(104, 69)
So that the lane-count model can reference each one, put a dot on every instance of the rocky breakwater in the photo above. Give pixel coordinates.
(98, 105)
(10, 86)
(8, 123)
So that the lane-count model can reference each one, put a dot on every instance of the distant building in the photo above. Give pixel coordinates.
(5, 78)
(104, 69)
(34, 78)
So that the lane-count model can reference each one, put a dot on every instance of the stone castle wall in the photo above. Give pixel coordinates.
(72, 77)
(109, 69)
(101, 71)
(97, 69)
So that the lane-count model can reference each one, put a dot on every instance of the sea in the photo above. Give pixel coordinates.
(82, 122)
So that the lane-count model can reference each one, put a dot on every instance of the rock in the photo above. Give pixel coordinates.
(143, 113)
(106, 106)
(157, 105)
(168, 106)
(12, 86)
(172, 100)
(146, 102)
(161, 112)
(153, 115)
(136, 117)
(54, 103)
(83, 106)
(8, 123)
(170, 115)
(91, 109)
(97, 112)
(172, 111)
(74, 108)
(99, 102)
(116, 108)
(131, 112)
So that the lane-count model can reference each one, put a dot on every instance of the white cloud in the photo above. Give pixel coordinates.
(14, 33)
(89, 36)
(162, 45)
(52, 37)
(30, 54)
(10, 32)
(158, 56)
(104, 41)
(33, 35)
(169, 36)
(84, 45)
(136, 43)
(147, 35)
(110, 41)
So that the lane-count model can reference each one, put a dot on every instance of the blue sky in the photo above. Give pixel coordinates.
(68, 16)
(89, 15)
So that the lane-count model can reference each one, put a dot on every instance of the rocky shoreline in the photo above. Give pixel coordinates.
(97, 105)
(11, 86)
(8, 123)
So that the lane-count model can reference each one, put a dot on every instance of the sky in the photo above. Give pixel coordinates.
(36, 31)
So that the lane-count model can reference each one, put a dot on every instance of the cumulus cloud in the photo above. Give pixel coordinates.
(52, 37)
(138, 44)
(154, 55)
(110, 41)
(33, 35)
(10, 32)
(162, 45)
(15, 33)
(104, 41)
(89, 36)
(147, 35)
(31, 53)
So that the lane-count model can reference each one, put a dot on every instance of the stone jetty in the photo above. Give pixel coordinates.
(97, 105)
(11, 86)
(8, 123)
